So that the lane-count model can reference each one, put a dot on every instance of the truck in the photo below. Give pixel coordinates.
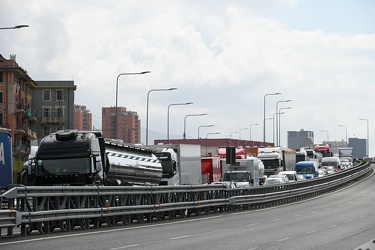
(240, 153)
(276, 159)
(324, 149)
(6, 171)
(244, 172)
(346, 153)
(77, 158)
(211, 169)
(181, 163)
(309, 169)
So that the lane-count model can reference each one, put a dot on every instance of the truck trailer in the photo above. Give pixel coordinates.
(74, 158)
(211, 169)
(6, 171)
(276, 159)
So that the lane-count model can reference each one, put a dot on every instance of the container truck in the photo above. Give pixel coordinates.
(211, 170)
(324, 149)
(346, 153)
(74, 158)
(245, 172)
(6, 171)
(181, 163)
(276, 159)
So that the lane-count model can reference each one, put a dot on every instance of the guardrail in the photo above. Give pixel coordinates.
(45, 209)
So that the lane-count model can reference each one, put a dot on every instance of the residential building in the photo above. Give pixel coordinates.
(15, 105)
(82, 118)
(128, 124)
(299, 139)
(53, 103)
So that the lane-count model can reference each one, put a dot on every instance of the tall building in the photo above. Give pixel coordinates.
(82, 118)
(53, 103)
(359, 147)
(302, 138)
(128, 124)
(15, 105)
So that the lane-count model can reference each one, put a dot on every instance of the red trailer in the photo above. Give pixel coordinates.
(324, 149)
(211, 171)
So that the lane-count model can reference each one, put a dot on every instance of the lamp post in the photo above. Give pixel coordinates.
(236, 132)
(116, 114)
(264, 115)
(204, 126)
(184, 135)
(148, 96)
(279, 135)
(327, 134)
(275, 128)
(254, 124)
(346, 134)
(368, 138)
(15, 27)
(215, 133)
(239, 132)
(174, 104)
(276, 121)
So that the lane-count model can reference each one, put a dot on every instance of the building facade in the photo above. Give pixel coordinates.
(82, 118)
(16, 105)
(128, 124)
(299, 139)
(53, 104)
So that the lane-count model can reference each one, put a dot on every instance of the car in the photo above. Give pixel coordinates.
(276, 180)
(226, 183)
(292, 175)
(328, 169)
(301, 177)
(321, 173)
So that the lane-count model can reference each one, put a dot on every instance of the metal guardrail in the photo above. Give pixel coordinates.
(45, 209)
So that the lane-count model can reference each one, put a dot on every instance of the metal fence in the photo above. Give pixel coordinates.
(47, 209)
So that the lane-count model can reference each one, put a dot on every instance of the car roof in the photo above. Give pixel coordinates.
(287, 172)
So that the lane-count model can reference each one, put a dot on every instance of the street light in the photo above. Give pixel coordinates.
(184, 135)
(174, 104)
(368, 138)
(327, 134)
(215, 133)
(264, 115)
(346, 134)
(239, 132)
(236, 132)
(15, 27)
(204, 126)
(276, 121)
(275, 127)
(254, 124)
(116, 115)
(279, 135)
(148, 94)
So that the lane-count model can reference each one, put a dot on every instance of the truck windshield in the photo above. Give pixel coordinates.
(270, 164)
(236, 177)
(330, 163)
(63, 166)
(304, 170)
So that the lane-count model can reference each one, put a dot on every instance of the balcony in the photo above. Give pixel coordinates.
(53, 120)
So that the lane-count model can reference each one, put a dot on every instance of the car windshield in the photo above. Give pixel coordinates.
(304, 170)
(63, 166)
(236, 177)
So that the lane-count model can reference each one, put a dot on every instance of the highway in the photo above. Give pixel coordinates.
(343, 219)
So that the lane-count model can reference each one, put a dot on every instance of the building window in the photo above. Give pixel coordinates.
(46, 112)
(47, 95)
(59, 95)
(59, 112)
(1, 119)
(1, 97)
(1, 76)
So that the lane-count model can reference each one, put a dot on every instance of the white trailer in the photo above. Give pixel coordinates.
(276, 159)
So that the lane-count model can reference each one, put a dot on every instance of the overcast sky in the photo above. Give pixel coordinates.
(224, 56)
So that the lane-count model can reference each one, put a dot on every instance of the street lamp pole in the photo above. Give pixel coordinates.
(276, 121)
(184, 135)
(279, 140)
(368, 137)
(148, 96)
(174, 104)
(116, 114)
(275, 128)
(236, 132)
(204, 126)
(239, 132)
(216, 133)
(346, 134)
(264, 115)
(15, 27)
(254, 124)
(327, 134)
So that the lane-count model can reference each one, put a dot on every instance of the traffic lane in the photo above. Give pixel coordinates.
(268, 228)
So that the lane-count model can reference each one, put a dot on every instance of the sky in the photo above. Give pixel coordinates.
(226, 57)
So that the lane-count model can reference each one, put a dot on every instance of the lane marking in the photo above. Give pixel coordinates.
(180, 237)
(254, 224)
(124, 247)
(311, 232)
(283, 239)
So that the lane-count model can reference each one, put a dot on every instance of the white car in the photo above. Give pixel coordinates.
(292, 175)
(276, 180)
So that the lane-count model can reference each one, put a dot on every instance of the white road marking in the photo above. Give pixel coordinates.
(180, 237)
(124, 247)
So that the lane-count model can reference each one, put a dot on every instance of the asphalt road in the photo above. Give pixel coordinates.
(344, 219)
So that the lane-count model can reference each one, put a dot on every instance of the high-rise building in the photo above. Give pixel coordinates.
(128, 124)
(82, 118)
(302, 138)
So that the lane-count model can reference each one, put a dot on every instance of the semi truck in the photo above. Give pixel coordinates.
(244, 172)
(324, 149)
(211, 169)
(346, 153)
(276, 159)
(6, 171)
(74, 158)
(181, 163)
